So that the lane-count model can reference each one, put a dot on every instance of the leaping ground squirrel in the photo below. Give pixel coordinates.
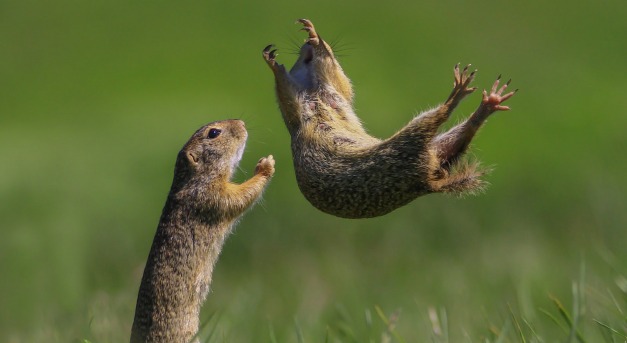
(200, 211)
(344, 171)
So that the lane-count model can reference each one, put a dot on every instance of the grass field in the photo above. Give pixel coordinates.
(96, 99)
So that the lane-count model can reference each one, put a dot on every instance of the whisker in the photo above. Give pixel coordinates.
(343, 46)
(345, 51)
(291, 45)
(336, 40)
(294, 42)
(292, 51)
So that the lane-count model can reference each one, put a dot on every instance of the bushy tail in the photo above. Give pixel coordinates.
(463, 179)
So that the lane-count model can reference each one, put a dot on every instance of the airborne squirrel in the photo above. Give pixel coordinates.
(341, 169)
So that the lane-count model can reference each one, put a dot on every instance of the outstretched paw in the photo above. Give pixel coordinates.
(308, 26)
(462, 82)
(493, 101)
(265, 166)
(269, 55)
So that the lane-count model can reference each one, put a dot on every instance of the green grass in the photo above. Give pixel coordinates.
(588, 315)
(97, 98)
(580, 323)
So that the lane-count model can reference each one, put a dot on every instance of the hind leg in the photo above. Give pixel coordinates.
(452, 144)
(427, 123)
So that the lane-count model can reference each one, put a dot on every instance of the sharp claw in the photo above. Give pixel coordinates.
(273, 53)
(498, 78)
(462, 81)
(503, 88)
(308, 26)
(507, 96)
(266, 49)
(305, 22)
(495, 86)
(469, 79)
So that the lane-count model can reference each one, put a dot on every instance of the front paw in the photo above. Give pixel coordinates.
(269, 55)
(265, 166)
(311, 30)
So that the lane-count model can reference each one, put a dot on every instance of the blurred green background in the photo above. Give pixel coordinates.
(96, 99)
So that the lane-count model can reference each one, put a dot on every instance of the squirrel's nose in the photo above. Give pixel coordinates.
(239, 122)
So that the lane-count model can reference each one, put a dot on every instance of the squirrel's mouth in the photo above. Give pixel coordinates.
(302, 71)
(237, 157)
(313, 53)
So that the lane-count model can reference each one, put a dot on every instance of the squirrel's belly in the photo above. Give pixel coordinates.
(355, 188)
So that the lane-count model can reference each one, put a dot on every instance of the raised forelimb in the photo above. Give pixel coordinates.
(239, 197)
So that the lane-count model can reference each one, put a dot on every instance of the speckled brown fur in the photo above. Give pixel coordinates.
(344, 171)
(200, 211)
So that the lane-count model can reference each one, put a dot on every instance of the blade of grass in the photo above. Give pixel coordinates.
(579, 301)
(204, 326)
(436, 328)
(503, 332)
(517, 324)
(615, 302)
(533, 332)
(439, 325)
(272, 335)
(564, 313)
(444, 320)
(612, 330)
(575, 312)
(555, 320)
(299, 331)
(346, 332)
(390, 324)
(369, 325)
(345, 325)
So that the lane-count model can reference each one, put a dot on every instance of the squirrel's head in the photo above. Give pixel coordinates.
(213, 152)
(317, 66)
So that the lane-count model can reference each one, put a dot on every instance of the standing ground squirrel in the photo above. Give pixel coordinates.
(341, 169)
(199, 213)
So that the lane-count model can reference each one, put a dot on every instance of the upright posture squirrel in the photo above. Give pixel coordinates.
(344, 171)
(200, 211)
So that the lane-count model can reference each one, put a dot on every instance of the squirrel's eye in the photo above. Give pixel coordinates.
(213, 133)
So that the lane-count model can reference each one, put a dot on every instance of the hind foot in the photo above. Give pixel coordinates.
(491, 102)
(461, 86)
